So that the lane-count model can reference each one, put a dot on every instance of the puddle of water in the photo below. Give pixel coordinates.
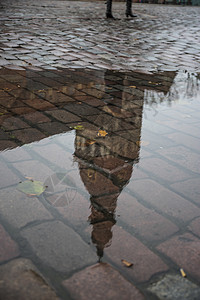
(141, 174)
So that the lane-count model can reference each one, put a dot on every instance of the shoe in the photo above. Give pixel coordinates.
(130, 15)
(109, 16)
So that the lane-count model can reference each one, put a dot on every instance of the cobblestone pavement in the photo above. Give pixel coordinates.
(100, 119)
(63, 33)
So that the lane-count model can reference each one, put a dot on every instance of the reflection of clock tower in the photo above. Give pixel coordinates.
(106, 162)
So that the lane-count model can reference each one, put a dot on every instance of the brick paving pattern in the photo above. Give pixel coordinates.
(105, 114)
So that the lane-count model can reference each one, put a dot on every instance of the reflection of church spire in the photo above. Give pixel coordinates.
(103, 199)
(106, 164)
(102, 222)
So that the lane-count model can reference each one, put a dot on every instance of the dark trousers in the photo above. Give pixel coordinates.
(128, 6)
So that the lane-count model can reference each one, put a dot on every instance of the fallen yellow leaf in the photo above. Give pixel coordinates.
(133, 86)
(183, 274)
(126, 263)
(102, 133)
(79, 127)
(90, 142)
(155, 83)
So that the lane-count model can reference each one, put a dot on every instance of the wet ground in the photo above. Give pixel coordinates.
(117, 154)
(99, 161)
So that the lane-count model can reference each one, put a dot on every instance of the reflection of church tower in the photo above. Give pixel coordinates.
(106, 162)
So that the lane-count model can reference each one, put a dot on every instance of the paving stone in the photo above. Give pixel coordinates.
(162, 169)
(188, 188)
(103, 277)
(30, 169)
(39, 104)
(54, 96)
(76, 211)
(20, 280)
(184, 250)
(17, 154)
(81, 109)
(10, 102)
(125, 246)
(185, 140)
(63, 116)
(145, 221)
(165, 200)
(175, 287)
(8, 248)
(55, 155)
(52, 128)
(186, 128)
(71, 254)
(19, 209)
(4, 145)
(36, 117)
(89, 100)
(28, 135)
(4, 135)
(8, 177)
(195, 226)
(22, 110)
(13, 123)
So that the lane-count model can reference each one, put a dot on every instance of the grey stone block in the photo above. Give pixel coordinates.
(19, 209)
(175, 287)
(20, 280)
(59, 247)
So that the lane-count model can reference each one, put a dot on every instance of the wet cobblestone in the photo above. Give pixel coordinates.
(65, 34)
(105, 114)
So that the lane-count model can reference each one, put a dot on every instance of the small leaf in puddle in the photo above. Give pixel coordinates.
(31, 187)
(133, 86)
(90, 142)
(79, 127)
(183, 274)
(102, 133)
(126, 263)
(142, 143)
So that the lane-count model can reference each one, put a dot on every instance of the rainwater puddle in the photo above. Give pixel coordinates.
(118, 156)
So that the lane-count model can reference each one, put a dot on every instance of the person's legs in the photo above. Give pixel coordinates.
(129, 9)
(109, 9)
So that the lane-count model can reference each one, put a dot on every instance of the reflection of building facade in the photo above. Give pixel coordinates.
(106, 162)
(31, 102)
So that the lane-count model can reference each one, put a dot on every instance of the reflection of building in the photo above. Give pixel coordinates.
(106, 162)
(39, 107)
(50, 104)
(34, 106)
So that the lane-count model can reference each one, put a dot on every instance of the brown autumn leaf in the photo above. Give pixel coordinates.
(102, 133)
(90, 142)
(126, 263)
